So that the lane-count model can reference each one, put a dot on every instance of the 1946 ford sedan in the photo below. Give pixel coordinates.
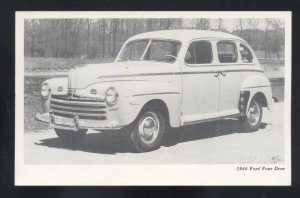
(158, 80)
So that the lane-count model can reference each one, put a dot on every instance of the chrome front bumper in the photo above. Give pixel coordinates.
(75, 123)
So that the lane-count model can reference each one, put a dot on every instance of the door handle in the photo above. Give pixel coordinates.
(223, 73)
(216, 74)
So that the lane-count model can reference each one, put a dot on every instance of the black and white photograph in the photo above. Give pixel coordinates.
(153, 98)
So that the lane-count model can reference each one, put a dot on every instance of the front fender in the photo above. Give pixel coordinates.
(54, 84)
(133, 95)
(128, 88)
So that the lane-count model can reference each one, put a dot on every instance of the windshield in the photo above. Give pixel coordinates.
(134, 50)
(158, 50)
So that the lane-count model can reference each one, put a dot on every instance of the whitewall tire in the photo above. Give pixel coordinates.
(252, 120)
(148, 131)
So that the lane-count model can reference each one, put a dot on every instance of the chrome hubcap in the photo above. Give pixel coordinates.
(149, 127)
(253, 113)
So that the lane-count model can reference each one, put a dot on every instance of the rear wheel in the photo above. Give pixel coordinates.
(70, 136)
(148, 131)
(252, 120)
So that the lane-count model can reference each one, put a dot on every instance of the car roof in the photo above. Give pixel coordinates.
(185, 35)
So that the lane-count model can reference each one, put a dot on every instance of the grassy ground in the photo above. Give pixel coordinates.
(32, 102)
(261, 54)
(58, 64)
(273, 62)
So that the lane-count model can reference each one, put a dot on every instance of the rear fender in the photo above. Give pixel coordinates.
(258, 86)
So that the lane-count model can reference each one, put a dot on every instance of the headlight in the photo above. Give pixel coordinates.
(45, 90)
(111, 96)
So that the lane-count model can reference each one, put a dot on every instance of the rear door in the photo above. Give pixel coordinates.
(233, 71)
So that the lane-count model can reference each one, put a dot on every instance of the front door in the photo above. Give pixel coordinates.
(200, 84)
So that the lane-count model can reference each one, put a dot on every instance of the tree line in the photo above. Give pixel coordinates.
(102, 38)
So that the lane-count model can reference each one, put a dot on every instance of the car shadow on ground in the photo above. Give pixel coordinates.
(102, 142)
(114, 142)
(204, 131)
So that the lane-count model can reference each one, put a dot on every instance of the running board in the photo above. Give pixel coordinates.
(210, 119)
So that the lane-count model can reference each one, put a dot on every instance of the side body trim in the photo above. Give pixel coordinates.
(256, 87)
(155, 93)
(178, 73)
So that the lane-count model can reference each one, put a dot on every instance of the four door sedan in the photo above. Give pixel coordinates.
(158, 80)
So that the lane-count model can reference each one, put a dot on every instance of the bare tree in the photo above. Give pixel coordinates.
(252, 26)
(277, 36)
(114, 35)
(134, 28)
(102, 37)
(202, 24)
(149, 24)
(252, 23)
(220, 23)
(88, 22)
(99, 31)
(241, 24)
(168, 23)
(33, 32)
(109, 37)
(266, 37)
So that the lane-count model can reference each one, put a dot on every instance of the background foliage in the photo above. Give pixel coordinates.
(102, 38)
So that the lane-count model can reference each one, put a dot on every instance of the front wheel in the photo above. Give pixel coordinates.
(252, 120)
(70, 136)
(148, 131)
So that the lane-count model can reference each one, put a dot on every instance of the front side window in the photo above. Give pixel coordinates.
(199, 52)
(227, 52)
(160, 50)
(246, 54)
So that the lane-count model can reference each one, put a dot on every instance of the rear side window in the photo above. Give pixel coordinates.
(227, 52)
(246, 54)
(199, 52)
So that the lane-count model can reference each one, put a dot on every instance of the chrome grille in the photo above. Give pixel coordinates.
(71, 92)
(69, 106)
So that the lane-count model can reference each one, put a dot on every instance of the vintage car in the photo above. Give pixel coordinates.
(158, 80)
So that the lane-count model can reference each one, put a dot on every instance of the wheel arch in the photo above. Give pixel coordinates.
(249, 95)
(157, 105)
(261, 98)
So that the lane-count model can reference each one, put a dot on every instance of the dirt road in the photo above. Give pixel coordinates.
(218, 142)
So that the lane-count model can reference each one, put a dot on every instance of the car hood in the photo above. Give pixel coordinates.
(81, 77)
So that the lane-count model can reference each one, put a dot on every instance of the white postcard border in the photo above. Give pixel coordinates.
(132, 174)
